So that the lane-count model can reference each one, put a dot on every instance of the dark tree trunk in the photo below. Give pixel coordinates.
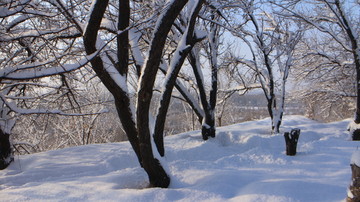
(164, 105)
(354, 187)
(210, 121)
(357, 66)
(355, 135)
(278, 123)
(208, 125)
(157, 175)
(124, 113)
(270, 95)
(122, 101)
(355, 51)
(123, 38)
(270, 110)
(5, 150)
(169, 86)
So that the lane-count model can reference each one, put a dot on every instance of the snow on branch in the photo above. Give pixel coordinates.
(32, 71)
(21, 111)
(33, 33)
(242, 88)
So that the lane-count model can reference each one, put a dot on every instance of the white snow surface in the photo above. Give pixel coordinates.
(243, 163)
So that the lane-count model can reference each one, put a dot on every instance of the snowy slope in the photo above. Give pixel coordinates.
(243, 163)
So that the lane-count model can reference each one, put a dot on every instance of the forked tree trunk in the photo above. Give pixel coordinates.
(139, 137)
(208, 128)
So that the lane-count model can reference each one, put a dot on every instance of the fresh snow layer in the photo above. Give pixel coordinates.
(243, 163)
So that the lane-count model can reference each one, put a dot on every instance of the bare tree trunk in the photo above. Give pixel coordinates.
(357, 113)
(122, 101)
(354, 188)
(157, 175)
(355, 50)
(206, 129)
(171, 77)
(357, 67)
(208, 123)
(5, 150)
(213, 45)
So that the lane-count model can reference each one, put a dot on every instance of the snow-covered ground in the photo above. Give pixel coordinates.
(243, 163)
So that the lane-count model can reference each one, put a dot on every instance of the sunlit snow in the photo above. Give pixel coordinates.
(243, 163)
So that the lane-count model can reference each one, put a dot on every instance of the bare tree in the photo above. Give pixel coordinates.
(324, 78)
(112, 70)
(37, 45)
(271, 40)
(340, 23)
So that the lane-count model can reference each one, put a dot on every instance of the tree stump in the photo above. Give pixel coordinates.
(356, 135)
(354, 188)
(354, 130)
(291, 140)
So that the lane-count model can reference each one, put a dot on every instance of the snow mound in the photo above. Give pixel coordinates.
(243, 163)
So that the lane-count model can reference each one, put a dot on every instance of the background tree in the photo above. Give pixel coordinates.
(37, 46)
(340, 21)
(324, 78)
(271, 40)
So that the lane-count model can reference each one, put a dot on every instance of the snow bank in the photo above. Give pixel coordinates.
(243, 163)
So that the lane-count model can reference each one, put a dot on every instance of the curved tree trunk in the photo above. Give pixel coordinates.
(206, 123)
(157, 175)
(171, 76)
(355, 50)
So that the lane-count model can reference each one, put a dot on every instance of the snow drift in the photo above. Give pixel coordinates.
(243, 163)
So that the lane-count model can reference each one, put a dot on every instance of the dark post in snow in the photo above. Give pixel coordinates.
(354, 130)
(356, 135)
(354, 188)
(291, 140)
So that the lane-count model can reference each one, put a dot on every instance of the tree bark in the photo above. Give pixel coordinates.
(213, 45)
(171, 80)
(157, 175)
(122, 101)
(206, 129)
(5, 150)
(354, 187)
(355, 50)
